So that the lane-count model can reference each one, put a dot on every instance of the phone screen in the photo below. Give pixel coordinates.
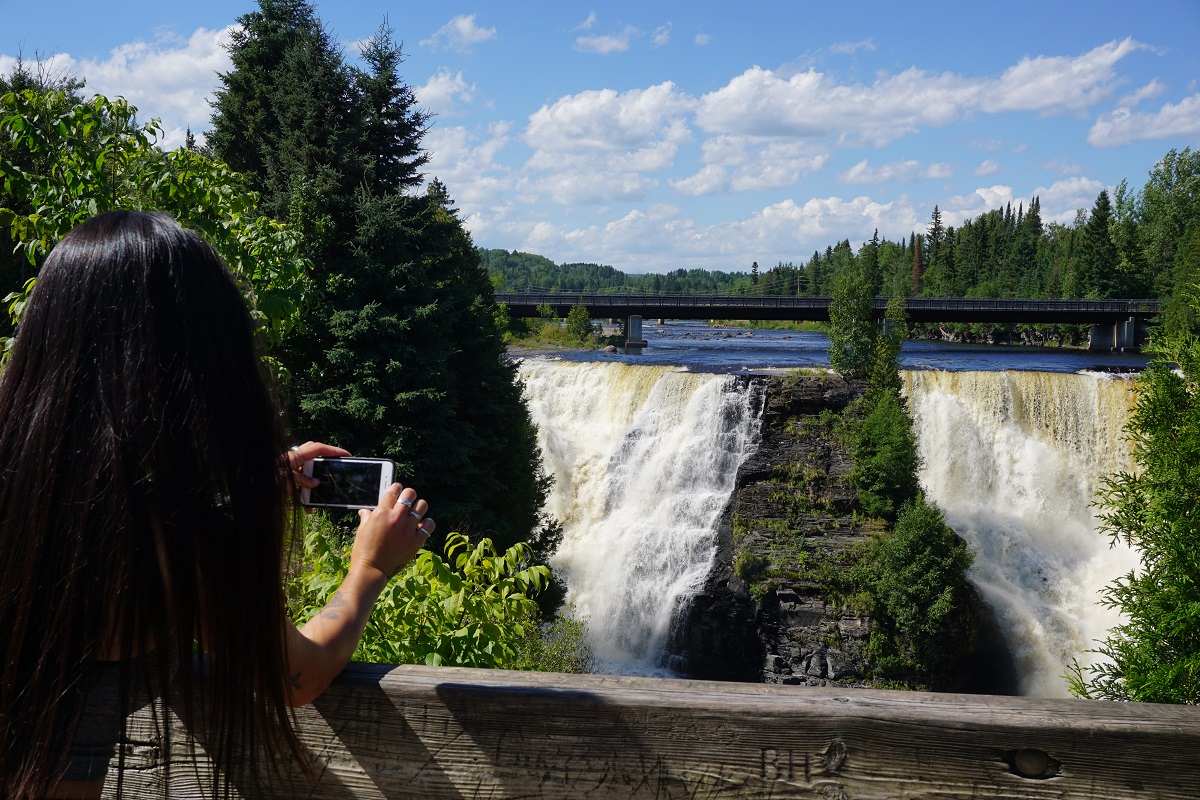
(346, 483)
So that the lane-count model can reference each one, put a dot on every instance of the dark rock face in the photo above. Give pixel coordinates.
(767, 613)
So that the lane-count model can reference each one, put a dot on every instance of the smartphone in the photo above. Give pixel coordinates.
(348, 482)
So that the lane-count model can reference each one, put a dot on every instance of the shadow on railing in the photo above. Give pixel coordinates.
(382, 732)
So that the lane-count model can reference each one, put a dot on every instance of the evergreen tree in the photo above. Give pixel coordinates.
(398, 354)
(1099, 257)
(852, 326)
(1154, 655)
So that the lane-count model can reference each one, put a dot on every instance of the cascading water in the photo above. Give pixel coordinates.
(1014, 460)
(644, 461)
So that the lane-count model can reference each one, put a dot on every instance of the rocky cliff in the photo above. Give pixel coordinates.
(777, 607)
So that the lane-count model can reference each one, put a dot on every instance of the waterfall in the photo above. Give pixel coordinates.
(1014, 460)
(644, 461)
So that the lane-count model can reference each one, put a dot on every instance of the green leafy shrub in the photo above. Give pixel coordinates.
(1153, 656)
(885, 456)
(579, 323)
(475, 608)
(914, 574)
(560, 645)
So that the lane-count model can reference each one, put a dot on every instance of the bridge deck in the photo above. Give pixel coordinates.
(767, 307)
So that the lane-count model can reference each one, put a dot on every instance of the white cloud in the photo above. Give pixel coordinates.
(468, 164)
(607, 43)
(1148, 92)
(601, 145)
(1056, 83)
(461, 33)
(1063, 198)
(849, 48)
(1061, 166)
(987, 167)
(702, 39)
(910, 170)
(963, 207)
(662, 35)
(445, 92)
(1123, 125)
(588, 23)
(812, 104)
(740, 164)
(660, 238)
(171, 78)
(604, 120)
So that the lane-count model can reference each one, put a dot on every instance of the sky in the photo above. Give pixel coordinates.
(654, 136)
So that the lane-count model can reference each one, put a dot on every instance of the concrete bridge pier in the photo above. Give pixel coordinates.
(634, 343)
(1126, 336)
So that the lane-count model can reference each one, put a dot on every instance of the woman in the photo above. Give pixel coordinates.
(145, 509)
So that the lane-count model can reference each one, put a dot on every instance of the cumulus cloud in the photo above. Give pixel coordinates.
(1123, 125)
(170, 78)
(1062, 199)
(605, 120)
(740, 164)
(660, 238)
(662, 35)
(910, 170)
(1051, 84)
(987, 167)
(445, 93)
(813, 104)
(604, 44)
(461, 33)
(702, 39)
(602, 144)
(468, 163)
(588, 23)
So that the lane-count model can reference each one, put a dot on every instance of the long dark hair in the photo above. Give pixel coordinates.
(143, 497)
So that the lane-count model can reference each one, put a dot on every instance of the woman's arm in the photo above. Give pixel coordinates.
(388, 537)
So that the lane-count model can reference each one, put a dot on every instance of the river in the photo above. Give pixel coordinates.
(644, 450)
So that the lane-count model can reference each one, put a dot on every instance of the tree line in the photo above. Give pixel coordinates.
(1132, 244)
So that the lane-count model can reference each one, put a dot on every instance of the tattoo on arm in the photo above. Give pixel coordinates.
(330, 611)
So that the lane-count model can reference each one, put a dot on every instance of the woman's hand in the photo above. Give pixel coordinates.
(307, 452)
(390, 534)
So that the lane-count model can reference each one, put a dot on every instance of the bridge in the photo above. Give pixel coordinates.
(1116, 324)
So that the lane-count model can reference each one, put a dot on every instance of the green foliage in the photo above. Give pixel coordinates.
(579, 323)
(885, 456)
(65, 160)
(852, 329)
(560, 645)
(1154, 655)
(915, 575)
(399, 352)
(475, 608)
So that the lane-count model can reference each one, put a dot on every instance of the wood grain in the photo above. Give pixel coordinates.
(426, 732)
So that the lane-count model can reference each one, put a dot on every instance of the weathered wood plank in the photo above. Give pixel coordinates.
(457, 733)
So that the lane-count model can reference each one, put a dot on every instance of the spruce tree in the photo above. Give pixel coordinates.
(1099, 254)
(398, 354)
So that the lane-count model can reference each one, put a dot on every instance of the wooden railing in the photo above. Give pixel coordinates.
(458, 733)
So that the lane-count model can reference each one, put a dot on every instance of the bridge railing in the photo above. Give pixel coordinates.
(457, 733)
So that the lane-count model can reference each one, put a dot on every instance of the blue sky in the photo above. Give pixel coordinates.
(652, 136)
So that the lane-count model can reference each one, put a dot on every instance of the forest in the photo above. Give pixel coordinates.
(1137, 243)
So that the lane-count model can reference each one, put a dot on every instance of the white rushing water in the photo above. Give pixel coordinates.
(644, 461)
(1014, 460)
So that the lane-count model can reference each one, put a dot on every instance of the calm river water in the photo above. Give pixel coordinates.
(700, 348)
